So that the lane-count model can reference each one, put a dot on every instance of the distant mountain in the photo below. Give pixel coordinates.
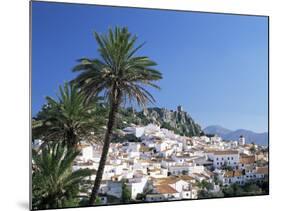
(216, 129)
(226, 134)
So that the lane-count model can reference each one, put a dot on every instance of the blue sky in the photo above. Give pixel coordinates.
(215, 65)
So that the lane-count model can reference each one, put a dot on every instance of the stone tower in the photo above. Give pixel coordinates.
(180, 108)
(242, 140)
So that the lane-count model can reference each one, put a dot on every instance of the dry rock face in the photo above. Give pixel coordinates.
(177, 120)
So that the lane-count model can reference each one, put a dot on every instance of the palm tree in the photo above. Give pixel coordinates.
(68, 119)
(119, 75)
(54, 183)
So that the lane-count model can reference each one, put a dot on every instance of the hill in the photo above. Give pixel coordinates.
(226, 134)
(177, 120)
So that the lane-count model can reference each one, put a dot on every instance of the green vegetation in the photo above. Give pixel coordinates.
(249, 189)
(68, 119)
(54, 183)
(79, 113)
(120, 76)
(205, 185)
(126, 194)
(203, 194)
(227, 167)
(253, 149)
(179, 122)
(245, 190)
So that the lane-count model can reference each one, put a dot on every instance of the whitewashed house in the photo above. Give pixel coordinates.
(231, 177)
(87, 152)
(173, 188)
(114, 188)
(226, 157)
(136, 131)
(137, 186)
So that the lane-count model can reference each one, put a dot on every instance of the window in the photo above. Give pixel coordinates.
(221, 158)
(217, 158)
(231, 158)
(218, 163)
(228, 158)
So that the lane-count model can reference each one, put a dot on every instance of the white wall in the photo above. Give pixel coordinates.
(220, 160)
(137, 187)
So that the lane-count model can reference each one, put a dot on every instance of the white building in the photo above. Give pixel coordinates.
(114, 188)
(238, 177)
(185, 168)
(242, 140)
(205, 139)
(151, 129)
(226, 157)
(231, 177)
(87, 152)
(136, 186)
(215, 139)
(172, 189)
(136, 131)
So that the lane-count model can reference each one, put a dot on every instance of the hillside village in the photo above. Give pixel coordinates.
(162, 165)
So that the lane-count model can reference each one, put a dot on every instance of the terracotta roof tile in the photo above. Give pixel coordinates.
(262, 170)
(247, 159)
(226, 152)
(233, 173)
(165, 189)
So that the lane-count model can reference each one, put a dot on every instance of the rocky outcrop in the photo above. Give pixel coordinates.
(179, 120)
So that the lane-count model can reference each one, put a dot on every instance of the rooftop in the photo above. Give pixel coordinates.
(233, 174)
(226, 152)
(245, 159)
(165, 189)
(262, 170)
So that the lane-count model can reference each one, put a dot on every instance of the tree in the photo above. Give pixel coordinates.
(205, 185)
(68, 119)
(217, 181)
(253, 149)
(252, 189)
(54, 183)
(126, 194)
(227, 167)
(233, 190)
(120, 76)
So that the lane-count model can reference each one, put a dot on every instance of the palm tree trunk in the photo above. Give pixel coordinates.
(107, 139)
(71, 139)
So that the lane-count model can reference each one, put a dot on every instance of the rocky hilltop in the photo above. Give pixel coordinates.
(179, 120)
